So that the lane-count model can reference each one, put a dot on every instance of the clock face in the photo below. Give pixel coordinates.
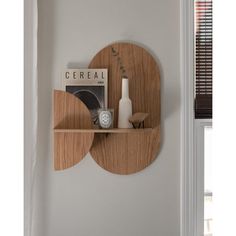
(105, 119)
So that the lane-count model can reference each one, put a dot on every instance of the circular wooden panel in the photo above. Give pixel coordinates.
(129, 153)
(70, 113)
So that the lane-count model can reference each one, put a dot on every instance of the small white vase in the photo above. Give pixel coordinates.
(125, 106)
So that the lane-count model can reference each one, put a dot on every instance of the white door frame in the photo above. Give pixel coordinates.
(30, 107)
(188, 166)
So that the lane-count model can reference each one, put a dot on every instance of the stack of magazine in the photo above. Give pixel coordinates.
(90, 86)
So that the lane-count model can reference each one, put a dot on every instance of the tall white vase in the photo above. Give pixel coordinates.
(125, 106)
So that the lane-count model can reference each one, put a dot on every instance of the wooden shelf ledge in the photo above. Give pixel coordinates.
(105, 131)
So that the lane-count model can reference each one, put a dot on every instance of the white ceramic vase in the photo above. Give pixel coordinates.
(125, 106)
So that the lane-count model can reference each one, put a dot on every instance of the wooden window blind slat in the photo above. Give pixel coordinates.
(203, 58)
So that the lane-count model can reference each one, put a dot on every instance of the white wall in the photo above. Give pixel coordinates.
(86, 200)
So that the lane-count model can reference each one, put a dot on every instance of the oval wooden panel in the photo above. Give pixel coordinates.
(70, 113)
(129, 153)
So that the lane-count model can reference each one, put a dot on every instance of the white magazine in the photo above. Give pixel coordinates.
(90, 86)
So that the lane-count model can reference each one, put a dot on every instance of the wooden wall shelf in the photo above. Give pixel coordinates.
(123, 151)
(103, 131)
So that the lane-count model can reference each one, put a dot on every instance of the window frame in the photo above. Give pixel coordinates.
(199, 130)
(192, 133)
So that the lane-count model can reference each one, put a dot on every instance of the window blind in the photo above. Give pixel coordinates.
(203, 58)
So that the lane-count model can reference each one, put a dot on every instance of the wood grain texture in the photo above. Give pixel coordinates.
(70, 113)
(126, 153)
(143, 75)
